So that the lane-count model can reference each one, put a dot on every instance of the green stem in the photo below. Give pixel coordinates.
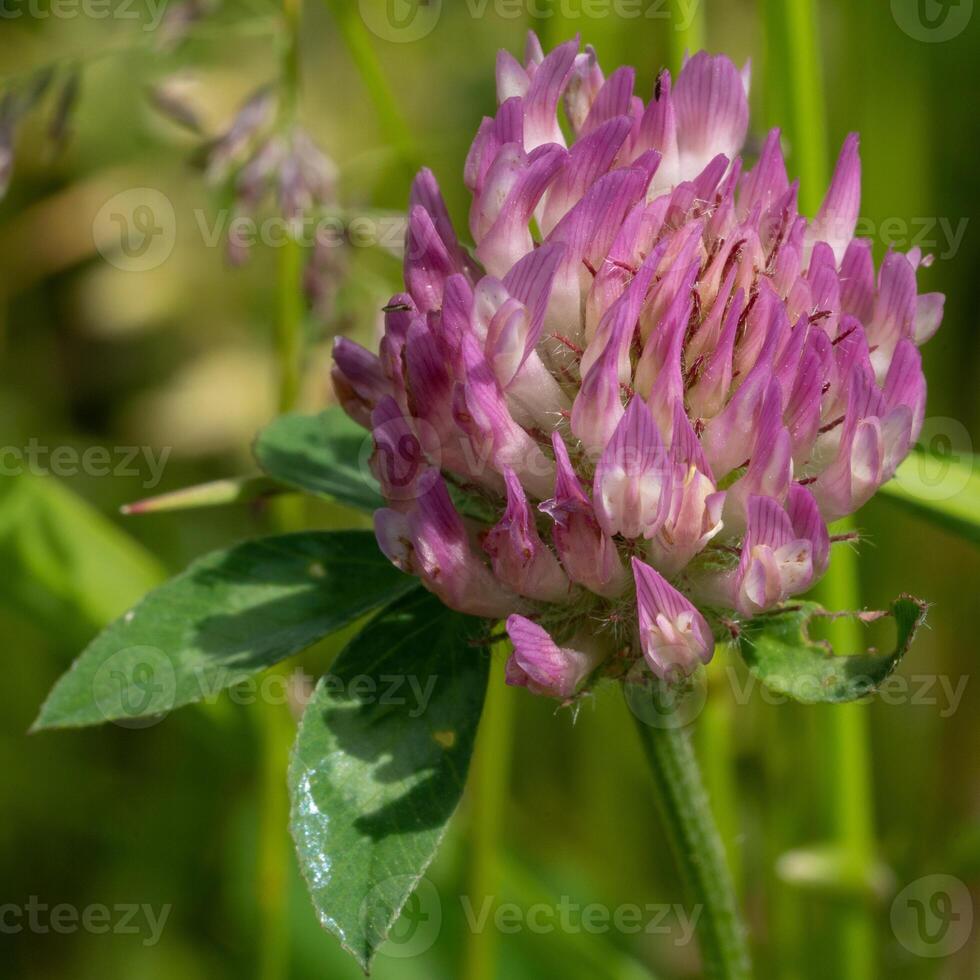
(696, 843)
(289, 332)
(846, 750)
(275, 726)
(488, 794)
(360, 46)
(687, 30)
(715, 743)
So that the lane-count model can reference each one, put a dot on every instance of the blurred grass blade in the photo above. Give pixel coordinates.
(593, 954)
(350, 22)
(941, 489)
(64, 564)
(686, 25)
(238, 490)
(847, 945)
(794, 89)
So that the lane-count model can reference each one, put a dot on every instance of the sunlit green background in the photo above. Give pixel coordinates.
(182, 356)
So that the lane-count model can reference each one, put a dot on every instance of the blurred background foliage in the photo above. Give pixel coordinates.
(181, 356)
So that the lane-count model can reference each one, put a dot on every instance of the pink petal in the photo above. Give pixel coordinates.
(542, 666)
(674, 636)
(632, 481)
(712, 111)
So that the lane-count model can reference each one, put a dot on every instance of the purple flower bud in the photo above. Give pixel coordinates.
(837, 217)
(584, 85)
(6, 151)
(632, 480)
(178, 20)
(521, 560)
(775, 562)
(770, 469)
(514, 185)
(431, 541)
(480, 410)
(358, 379)
(694, 517)
(589, 555)
(230, 148)
(168, 98)
(542, 666)
(428, 263)
(674, 636)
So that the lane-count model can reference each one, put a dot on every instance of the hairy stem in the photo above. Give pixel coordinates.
(715, 739)
(695, 841)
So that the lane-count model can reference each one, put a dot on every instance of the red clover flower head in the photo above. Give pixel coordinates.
(638, 403)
